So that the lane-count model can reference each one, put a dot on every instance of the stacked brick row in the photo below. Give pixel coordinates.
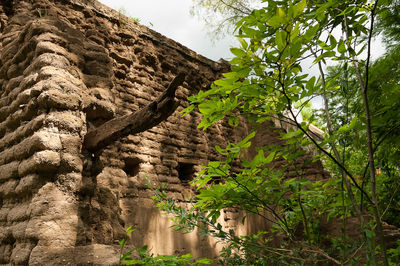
(40, 133)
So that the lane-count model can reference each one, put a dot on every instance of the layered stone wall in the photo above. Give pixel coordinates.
(67, 67)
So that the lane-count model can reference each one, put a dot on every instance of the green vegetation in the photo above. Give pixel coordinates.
(42, 13)
(360, 148)
(123, 17)
(145, 258)
(221, 16)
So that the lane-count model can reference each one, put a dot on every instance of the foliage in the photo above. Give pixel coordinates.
(265, 83)
(346, 109)
(254, 249)
(395, 254)
(123, 17)
(144, 258)
(389, 22)
(221, 16)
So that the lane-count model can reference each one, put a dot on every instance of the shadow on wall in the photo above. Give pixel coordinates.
(152, 226)
(159, 155)
(99, 219)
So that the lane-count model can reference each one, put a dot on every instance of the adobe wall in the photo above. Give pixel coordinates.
(69, 66)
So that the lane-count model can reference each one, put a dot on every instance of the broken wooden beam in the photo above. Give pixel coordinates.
(142, 120)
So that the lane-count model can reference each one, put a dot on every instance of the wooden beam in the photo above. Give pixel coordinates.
(142, 120)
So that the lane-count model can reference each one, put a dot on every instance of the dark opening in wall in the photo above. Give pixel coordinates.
(8, 7)
(132, 166)
(185, 172)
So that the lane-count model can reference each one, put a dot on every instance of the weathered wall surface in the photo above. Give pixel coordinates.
(68, 66)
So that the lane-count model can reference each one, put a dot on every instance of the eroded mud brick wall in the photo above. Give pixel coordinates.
(69, 66)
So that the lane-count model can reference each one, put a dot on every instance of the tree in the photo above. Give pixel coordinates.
(345, 108)
(265, 83)
(222, 15)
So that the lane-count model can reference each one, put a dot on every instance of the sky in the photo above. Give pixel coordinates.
(172, 18)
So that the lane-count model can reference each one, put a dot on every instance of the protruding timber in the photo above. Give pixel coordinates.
(144, 119)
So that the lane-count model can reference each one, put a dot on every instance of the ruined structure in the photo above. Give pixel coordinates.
(67, 68)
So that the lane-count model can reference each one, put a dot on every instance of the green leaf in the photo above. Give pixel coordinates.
(310, 83)
(351, 52)
(281, 12)
(269, 158)
(238, 52)
(347, 11)
(130, 229)
(311, 32)
(215, 164)
(368, 233)
(187, 110)
(243, 42)
(280, 39)
(207, 107)
(341, 47)
(299, 7)
(223, 82)
(295, 32)
(187, 256)
(142, 251)
(126, 255)
(204, 261)
(246, 140)
(133, 262)
(295, 49)
(333, 42)
(324, 55)
(233, 121)
(324, 45)
(275, 21)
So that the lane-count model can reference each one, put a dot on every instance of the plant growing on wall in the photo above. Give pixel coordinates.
(265, 84)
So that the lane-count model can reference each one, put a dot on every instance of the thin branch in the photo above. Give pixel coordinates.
(354, 253)
(322, 253)
(237, 9)
(390, 201)
(335, 151)
(319, 146)
(369, 141)
(265, 206)
(382, 138)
